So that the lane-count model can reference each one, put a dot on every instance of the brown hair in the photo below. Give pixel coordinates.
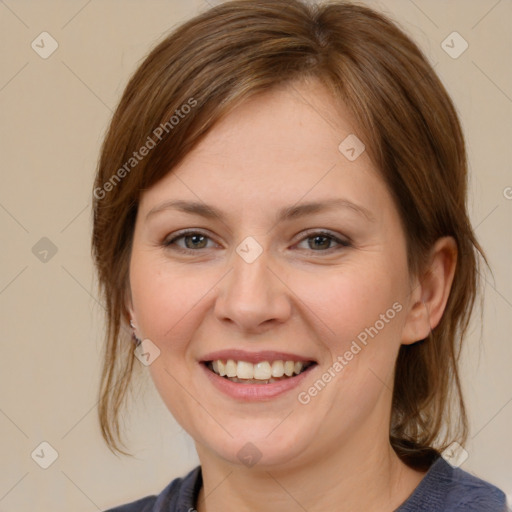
(406, 119)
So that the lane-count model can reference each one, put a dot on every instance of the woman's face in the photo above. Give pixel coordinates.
(294, 251)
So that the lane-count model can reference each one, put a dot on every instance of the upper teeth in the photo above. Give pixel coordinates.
(263, 370)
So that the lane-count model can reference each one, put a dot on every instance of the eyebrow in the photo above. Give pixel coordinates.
(285, 214)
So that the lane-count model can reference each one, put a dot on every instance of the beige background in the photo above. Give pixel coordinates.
(54, 114)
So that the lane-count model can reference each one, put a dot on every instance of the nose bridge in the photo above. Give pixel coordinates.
(252, 275)
(251, 294)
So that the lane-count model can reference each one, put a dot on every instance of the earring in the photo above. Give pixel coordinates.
(135, 339)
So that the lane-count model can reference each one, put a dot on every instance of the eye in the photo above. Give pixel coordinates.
(322, 241)
(192, 240)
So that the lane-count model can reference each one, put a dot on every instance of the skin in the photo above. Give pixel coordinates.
(276, 150)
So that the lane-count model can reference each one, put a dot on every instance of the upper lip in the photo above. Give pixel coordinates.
(254, 357)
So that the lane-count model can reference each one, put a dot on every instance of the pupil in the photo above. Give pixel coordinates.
(320, 245)
(194, 239)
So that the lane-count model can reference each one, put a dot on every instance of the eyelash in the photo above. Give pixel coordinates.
(326, 234)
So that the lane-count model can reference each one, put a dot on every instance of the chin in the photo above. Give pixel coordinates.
(260, 447)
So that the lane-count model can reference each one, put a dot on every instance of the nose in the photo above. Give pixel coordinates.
(252, 296)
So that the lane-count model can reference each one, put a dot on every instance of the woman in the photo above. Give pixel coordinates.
(280, 220)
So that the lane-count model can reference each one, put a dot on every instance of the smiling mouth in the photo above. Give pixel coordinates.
(264, 372)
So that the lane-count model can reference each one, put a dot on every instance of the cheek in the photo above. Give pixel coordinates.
(354, 303)
(165, 299)
(169, 304)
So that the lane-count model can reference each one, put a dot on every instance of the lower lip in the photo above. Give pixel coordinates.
(255, 392)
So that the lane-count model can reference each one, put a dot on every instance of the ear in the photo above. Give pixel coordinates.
(430, 291)
(128, 310)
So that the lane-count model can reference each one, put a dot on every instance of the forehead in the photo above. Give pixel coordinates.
(294, 121)
(274, 148)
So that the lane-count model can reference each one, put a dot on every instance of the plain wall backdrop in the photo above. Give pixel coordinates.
(54, 113)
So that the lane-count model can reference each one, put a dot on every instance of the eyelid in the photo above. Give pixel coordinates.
(342, 239)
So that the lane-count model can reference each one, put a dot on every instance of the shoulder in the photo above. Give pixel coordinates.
(180, 494)
(142, 505)
(448, 489)
(470, 493)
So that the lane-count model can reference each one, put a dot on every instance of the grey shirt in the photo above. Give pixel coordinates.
(443, 489)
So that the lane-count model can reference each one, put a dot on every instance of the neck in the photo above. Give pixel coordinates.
(369, 479)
